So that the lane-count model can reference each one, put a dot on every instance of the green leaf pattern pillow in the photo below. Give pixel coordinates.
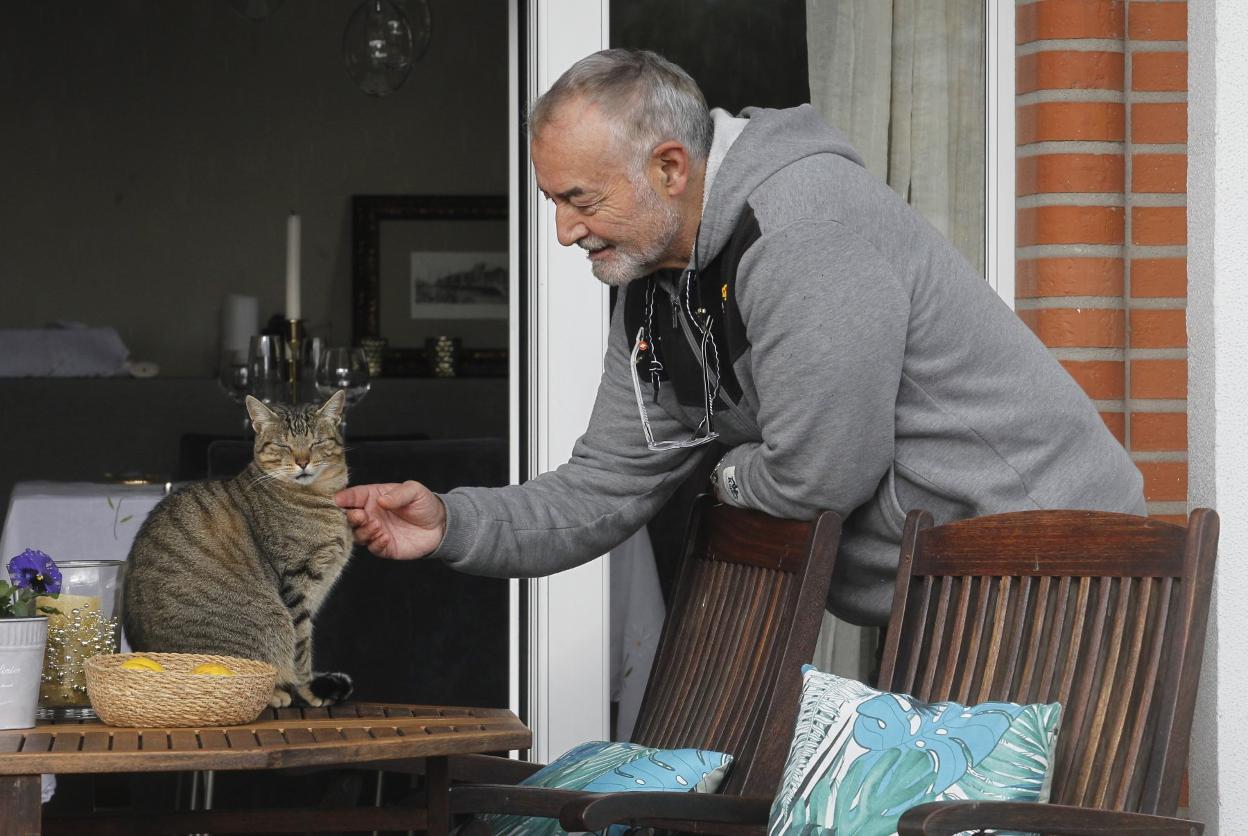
(860, 758)
(601, 766)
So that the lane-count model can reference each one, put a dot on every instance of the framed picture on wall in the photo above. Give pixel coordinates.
(431, 266)
(459, 285)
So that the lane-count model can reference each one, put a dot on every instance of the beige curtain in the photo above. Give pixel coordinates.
(904, 80)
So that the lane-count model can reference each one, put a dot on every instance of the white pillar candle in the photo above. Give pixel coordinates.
(240, 321)
(293, 310)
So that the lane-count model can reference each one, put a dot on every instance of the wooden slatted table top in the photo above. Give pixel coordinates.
(284, 737)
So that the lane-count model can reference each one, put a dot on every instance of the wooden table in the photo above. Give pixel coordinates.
(359, 733)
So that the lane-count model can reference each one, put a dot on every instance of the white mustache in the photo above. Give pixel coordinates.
(591, 243)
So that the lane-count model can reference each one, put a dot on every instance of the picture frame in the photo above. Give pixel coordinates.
(426, 267)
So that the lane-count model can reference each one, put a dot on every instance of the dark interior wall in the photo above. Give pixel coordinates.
(152, 151)
(741, 52)
(94, 430)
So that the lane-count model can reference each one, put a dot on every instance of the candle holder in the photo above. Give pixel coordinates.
(294, 345)
(87, 622)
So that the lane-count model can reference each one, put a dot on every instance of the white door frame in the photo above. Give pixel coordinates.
(999, 148)
(568, 626)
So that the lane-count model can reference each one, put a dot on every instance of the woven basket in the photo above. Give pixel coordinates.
(175, 696)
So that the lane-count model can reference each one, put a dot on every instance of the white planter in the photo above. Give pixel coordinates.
(22, 642)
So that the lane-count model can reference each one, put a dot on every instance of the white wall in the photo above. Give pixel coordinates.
(1217, 323)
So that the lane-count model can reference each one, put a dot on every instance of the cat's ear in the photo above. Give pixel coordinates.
(260, 414)
(331, 410)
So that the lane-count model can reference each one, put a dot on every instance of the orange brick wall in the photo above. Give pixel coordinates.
(1101, 90)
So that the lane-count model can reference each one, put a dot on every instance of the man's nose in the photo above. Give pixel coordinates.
(568, 227)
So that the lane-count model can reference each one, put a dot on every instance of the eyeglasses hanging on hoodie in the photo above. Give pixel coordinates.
(644, 343)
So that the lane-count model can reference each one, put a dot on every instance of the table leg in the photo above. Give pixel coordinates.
(22, 806)
(438, 795)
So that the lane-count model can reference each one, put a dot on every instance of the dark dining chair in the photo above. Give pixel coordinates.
(1103, 613)
(748, 605)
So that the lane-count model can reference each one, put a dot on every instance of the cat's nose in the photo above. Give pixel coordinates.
(302, 461)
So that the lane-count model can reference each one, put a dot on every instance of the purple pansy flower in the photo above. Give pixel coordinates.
(35, 571)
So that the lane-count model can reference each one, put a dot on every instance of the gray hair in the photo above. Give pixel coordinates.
(646, 98)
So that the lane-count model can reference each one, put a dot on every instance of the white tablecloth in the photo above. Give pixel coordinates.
(76, 520)
(61, 352)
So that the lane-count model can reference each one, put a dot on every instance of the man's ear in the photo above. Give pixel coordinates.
(672, 163)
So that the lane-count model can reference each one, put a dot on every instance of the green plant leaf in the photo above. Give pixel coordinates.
(1017, 767)
(875, 787)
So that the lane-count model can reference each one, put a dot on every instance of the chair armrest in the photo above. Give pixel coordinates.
(491, 769)
(509, 799)
(598, 811)
(471, 769)
(945, 818)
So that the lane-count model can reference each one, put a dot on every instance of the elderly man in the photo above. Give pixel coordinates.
(777, 297)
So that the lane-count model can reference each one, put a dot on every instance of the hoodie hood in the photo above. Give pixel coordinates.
(746, 151)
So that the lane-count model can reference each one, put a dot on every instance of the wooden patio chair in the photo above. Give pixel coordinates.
(745, 617)
(1103, 613)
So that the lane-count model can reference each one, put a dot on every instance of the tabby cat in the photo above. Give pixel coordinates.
(240, 567)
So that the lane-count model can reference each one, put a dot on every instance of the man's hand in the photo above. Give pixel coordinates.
(397, 521)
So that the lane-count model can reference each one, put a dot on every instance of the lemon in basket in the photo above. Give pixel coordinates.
(212, 669)
(141, 663)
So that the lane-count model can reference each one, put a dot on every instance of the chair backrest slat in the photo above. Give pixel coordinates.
(1082, 657)
(1026, 690)
(1165, 669)
(921, 613)
(1103, 613)
(1059, 622)
(1133, 644)
(981, 587)
(1002, 683)
(1100, 692)
(996, 635)
(744, 619)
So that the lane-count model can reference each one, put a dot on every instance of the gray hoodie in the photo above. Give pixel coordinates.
(864, 368)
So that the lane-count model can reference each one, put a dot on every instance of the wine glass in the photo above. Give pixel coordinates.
(234, 375)
(268, 368)
(345, 369)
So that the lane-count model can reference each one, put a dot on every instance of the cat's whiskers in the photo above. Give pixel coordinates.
(262, 476)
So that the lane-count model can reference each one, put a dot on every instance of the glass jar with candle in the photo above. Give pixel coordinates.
(87, 621)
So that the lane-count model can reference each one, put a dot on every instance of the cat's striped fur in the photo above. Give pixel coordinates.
(240, 567)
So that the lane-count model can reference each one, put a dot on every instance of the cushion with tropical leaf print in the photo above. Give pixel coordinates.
(616, 767)
(861, 757)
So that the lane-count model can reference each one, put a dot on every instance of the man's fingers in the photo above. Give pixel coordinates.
(356, 517)
(358, 496)
(351, 497)
(401, 495)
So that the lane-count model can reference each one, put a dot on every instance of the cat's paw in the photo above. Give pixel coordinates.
(281, 698)
(330, 688)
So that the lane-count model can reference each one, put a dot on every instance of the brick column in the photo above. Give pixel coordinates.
(1101, 184)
